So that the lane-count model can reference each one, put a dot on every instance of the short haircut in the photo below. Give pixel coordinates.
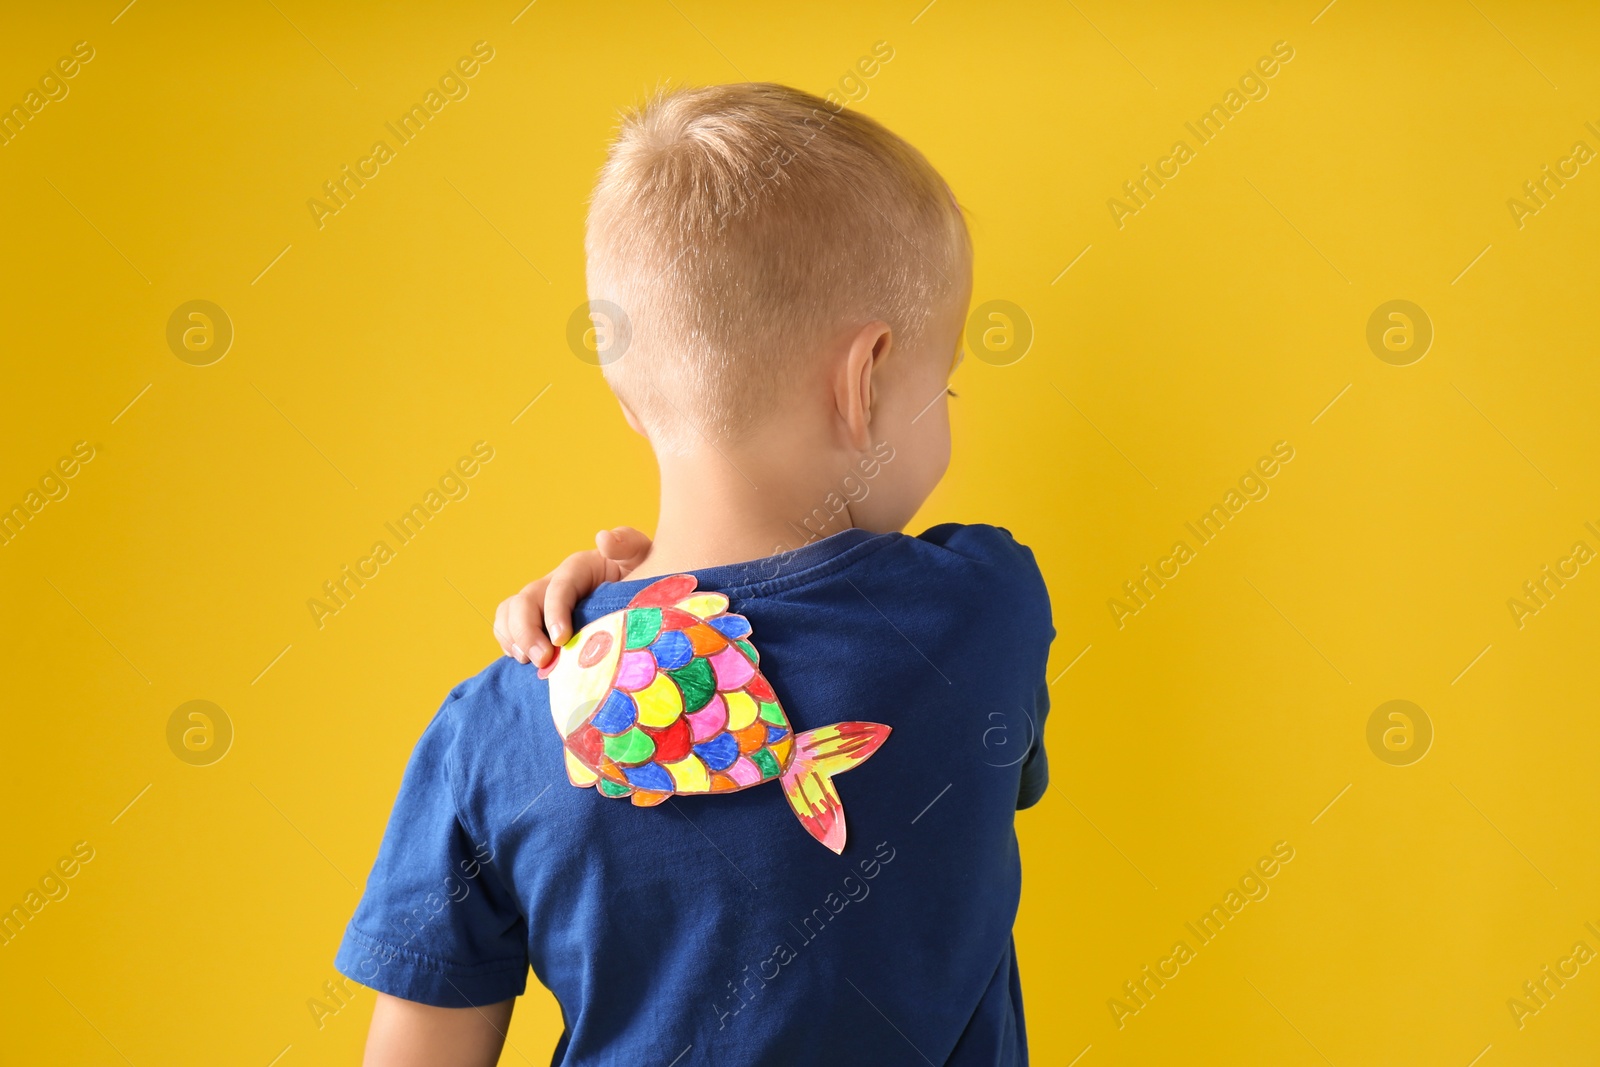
(739, 228)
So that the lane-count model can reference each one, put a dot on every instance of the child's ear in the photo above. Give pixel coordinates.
(854, 391)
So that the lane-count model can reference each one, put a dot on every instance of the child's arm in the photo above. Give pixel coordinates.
(521, 621)
(407, 1034)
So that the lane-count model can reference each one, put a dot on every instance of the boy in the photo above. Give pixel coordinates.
(794, 281)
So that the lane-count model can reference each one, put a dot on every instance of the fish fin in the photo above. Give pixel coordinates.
(644, 799)
(665, 593)
(578, 774)
(808, 781)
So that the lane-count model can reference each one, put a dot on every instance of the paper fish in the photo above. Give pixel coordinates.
(664, 698)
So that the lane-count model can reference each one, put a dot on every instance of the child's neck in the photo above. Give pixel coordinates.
(720, 507)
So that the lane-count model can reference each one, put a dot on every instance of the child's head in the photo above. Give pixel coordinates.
(780, 263)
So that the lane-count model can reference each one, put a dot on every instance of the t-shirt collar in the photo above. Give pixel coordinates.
(753, 577)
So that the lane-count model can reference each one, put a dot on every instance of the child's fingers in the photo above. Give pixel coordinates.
(545, 607)
(502, 630)
(575, 579)
(525, 623)
(624, 547)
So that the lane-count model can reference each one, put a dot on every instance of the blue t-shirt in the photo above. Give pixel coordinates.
(714, 928)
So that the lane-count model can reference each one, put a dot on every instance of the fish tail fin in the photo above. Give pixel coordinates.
(819, 755)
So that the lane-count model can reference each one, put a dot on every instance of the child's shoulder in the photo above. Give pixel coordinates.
(983, 544)
(498, 693)
(973, 583)
(498, 685)
(982, 561)
(490, 719)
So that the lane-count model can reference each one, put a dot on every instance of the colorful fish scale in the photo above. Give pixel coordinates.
(688, 712)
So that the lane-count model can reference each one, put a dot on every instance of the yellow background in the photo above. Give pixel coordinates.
(426, 315)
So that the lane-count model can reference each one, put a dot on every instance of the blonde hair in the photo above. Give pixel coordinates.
(739, 227)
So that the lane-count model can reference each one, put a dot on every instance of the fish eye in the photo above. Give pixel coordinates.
(595, 649)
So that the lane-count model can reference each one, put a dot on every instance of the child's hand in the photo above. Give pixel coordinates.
(521, 621)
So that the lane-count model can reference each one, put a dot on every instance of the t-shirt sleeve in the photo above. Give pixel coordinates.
(1015, 574)
(1036, 766)
(437, 923)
